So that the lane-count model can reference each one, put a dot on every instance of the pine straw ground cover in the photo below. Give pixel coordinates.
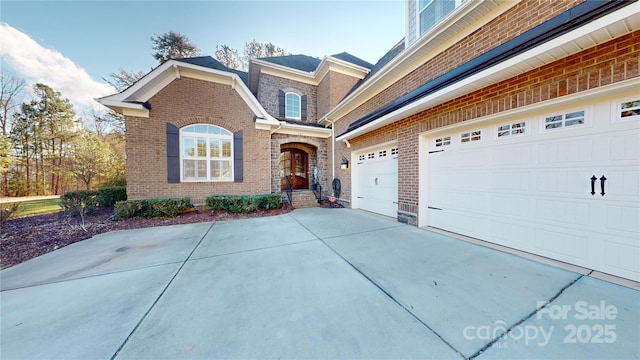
(24, 238)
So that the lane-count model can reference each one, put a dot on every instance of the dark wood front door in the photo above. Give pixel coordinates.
(294, 164)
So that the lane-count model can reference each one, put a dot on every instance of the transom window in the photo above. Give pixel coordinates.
(432, 11)
(564, 120)
(471, 136)
(292, 105)
(382, 153)
(206, 153)
(361, 157)
(394, 151)
(371, 155)
(511, 129)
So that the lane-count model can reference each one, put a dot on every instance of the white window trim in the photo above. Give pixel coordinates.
(419, 32)
(615, 112)
(286, 106)
(471, 136)
(208, 156)
(587, 120)
(527, 130)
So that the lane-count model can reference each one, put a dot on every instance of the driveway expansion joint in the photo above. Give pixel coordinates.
(252, 250)
(88, 276)
(379, 287)
(533, 313)
(135, 328)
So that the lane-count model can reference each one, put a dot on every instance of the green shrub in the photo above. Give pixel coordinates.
(115, 182)
(80, 202)
(151, 208)
(243, 203)
(110, 195)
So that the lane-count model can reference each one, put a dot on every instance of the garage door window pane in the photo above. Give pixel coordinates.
(553, 122)
(574, 118)
(630, 108)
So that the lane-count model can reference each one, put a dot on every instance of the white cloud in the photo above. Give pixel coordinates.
(36, 63)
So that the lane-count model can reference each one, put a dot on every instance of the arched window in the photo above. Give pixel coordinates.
(292, 105)
(206, 153)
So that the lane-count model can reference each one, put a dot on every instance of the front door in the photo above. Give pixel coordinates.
(294, 167)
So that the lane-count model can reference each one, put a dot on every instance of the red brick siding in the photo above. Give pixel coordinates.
(183, 102)
(611, 62)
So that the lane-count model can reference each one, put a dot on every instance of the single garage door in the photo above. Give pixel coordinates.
(375, 180)
(564, 184)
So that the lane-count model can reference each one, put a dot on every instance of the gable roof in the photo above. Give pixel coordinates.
(345, 56)
(209, 62)
(298, 62)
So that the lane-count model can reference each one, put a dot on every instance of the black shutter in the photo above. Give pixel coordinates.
(237, 157)
(281, 103)
(303, 107)
(173, 154)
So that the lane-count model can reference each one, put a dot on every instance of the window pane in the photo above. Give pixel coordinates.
(201, 169)
(188, 146)
(220, 170)
(189, 169)
(575, 114)
(292, 108)
(226, 149)
(215, 148)
(574, 122)
(201, 129)
(226, 170)
(202, 148)
(630, 104)
(553, 118)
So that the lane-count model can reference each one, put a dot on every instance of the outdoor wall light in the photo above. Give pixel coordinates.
(344, 165)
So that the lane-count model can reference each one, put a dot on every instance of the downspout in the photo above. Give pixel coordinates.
(277, 129)
(333, 148)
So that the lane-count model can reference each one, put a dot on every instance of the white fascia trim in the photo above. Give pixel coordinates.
(330, 63)
(327, 64)
(125, 108)
(301, 130)
(178, 69)
(406, 58)
(286, 72)
(466, 85)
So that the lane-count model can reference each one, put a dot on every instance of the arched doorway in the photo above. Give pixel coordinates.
(294, 165)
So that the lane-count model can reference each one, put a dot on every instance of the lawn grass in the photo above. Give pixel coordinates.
(37, 207)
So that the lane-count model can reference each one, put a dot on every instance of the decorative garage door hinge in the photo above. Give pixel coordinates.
(433, 208)
(435, 151)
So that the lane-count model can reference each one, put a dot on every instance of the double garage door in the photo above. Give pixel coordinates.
(563, 184)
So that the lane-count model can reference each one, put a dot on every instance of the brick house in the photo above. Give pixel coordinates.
(513, 122)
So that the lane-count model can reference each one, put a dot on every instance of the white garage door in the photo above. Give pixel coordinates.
(564, 184)
(375, 181)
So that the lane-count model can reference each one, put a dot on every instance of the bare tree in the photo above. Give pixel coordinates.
(228, 57)
(11, 93)
(122, 79)
(172, 45)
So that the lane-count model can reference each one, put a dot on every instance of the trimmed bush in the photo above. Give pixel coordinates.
(110, 195)
(243, 203)
(151, 208)
(80, 202)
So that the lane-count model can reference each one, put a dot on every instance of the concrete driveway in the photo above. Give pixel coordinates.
(315, 283)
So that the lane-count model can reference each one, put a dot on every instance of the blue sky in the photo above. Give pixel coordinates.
(72, 45)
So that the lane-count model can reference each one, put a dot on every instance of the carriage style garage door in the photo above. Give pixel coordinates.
(563, 183)
(375, 180)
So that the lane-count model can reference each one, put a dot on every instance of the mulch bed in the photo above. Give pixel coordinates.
(24, 238)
